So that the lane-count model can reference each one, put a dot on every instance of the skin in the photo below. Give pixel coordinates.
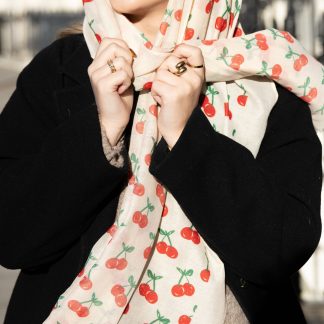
(144, 14)
(114, 91)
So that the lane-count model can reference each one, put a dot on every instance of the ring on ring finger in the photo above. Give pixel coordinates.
(111, 65)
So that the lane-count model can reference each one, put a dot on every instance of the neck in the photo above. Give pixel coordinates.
(149, 22)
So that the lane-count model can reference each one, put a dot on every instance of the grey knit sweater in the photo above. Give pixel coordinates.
(234, 313)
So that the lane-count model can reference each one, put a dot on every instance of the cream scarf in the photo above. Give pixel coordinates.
(152, 266)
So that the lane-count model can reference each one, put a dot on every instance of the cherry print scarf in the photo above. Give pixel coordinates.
(152, 266)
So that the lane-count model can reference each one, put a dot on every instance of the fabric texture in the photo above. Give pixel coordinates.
(55, 149)
(234, 313)
(142, 260)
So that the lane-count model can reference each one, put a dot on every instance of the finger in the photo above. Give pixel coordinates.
(118, 80)
(170, 63)
(192, 54)
(119, 63)
(167, 77)
(190, 75)
(111, 52)
(159, 90)
(106, 41)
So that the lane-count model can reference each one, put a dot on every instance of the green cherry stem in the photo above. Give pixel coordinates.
(207, 261)
(94, 266)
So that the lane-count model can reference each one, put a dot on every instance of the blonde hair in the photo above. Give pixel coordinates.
(75, 28)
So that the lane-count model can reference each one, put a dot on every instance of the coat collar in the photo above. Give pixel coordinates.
(76, 65)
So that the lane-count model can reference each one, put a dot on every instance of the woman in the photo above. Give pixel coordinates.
(182, 223)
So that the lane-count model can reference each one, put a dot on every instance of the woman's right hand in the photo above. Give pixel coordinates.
(114, 93)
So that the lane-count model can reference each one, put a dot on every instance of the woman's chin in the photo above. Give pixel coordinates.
(128, 7)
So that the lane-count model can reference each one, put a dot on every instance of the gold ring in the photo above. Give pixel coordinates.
(181, 68)
(111, 65)
(133, 53)
(196, 66)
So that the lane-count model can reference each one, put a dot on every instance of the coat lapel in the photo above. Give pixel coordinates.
(76, 92)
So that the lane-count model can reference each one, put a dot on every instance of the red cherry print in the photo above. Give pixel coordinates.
(242, 99)
(205, 275)
(189, 289)
(189, 33)
(159, 190)
(147, 159)
(162, 199)
(126, 309)
(151, 296)
(310, 96)
(171, 252)
(238, 58)
(231, 20)
(313, 93)
(117, 290)
(137, 216)
(262, 45)
(228, 113)
(195, 237)
(131, 180)
(112, 230)
(209, 110)
(238, 32)
(139, 127)
(98, 38)
(186, 233)
(206, 101)
(81, 273)
(260, 37)
(303, 59)
(163, 27)
(178, 15)
(209, 7)
(121, 300)
(208, 41)
(235, 66)
(276, 71)
(220, 23)
(287, 36)
(143, 288)
(148, 45)
(122, 264)
(147, 252)
(85, 283)
(165, 211)
(74, 305)
(184, 319)
(83, 311)
(143, 222)
(236, 61)
(138, 189)
(177, 290)
(111, 263)
(147, 86)
(153, 110)
(298, 65)
(161, 247)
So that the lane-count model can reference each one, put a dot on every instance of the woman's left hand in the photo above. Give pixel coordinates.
(177, 95)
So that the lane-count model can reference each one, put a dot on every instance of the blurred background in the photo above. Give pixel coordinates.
(28, 26)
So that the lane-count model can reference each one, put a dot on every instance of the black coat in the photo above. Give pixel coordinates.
(59, 194)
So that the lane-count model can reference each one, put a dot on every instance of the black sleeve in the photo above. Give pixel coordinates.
(260, 215)
(54, 178)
